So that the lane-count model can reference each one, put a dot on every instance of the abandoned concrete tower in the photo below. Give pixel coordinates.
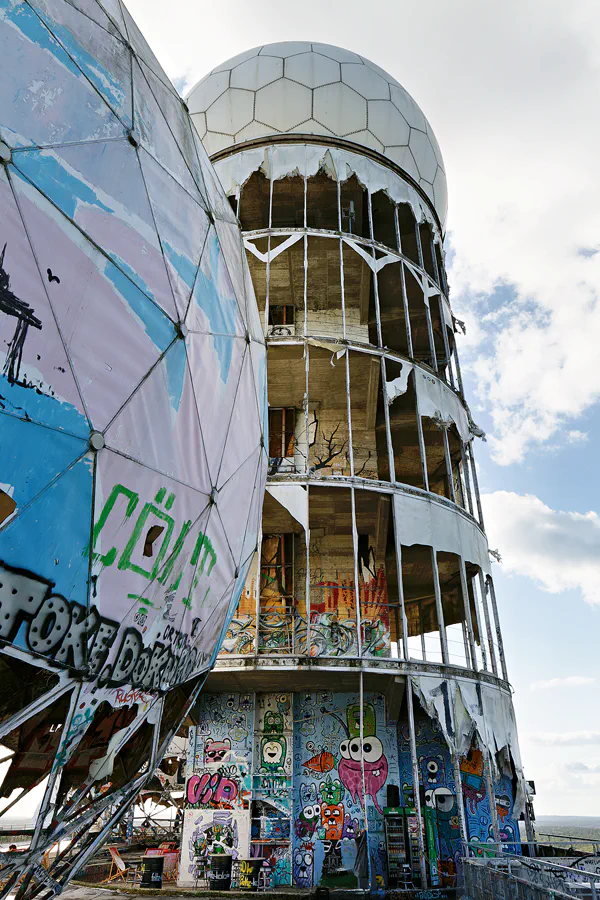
(361, 686)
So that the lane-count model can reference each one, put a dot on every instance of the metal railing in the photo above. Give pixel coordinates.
(490, 874)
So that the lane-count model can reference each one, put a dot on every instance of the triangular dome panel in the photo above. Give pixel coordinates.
(159, 424)
(112, 332)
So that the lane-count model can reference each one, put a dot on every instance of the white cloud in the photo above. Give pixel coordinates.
(577, 437)
(584, 768)
(559, 550)
(568, 681)
(562, 738)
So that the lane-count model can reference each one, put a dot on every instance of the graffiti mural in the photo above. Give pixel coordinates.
(329, 800)
(206, 832)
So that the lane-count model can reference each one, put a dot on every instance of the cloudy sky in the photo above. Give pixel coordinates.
(512, 90)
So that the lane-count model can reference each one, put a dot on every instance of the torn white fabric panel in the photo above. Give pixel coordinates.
(298, 159)
(437, 401)
(437, 698)
(455, 705)
(420, 520)
(294, 498)
(374, 264)
(399, 385)
(275, 251)
(235, 170)
(284, 160)
(335, 349)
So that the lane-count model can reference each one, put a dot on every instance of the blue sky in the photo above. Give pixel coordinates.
(512, 92)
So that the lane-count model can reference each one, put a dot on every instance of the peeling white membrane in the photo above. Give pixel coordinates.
(426, 522)
(436, 400)
(294, 498)
(465, 709)
(306, 160)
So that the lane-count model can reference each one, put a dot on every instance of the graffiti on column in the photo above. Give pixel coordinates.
(329, 801)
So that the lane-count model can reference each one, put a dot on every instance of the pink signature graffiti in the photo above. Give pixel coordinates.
(211, 788)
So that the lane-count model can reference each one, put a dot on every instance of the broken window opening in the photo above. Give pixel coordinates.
(408, 234)
(329, 452)
(377, 573)
(354, 201)
(394, 334)
(419, 327)
(277, 597)
(427, 249)
(367, 411)
(332, 589)
(404, 430)
(254, 204)
(288, 202)
(359, 298)
(322, 202)
(460, 615)
(424, 641)
(384, 220)
(288, 450)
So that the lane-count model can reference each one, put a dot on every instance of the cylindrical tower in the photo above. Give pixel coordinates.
(361, 686)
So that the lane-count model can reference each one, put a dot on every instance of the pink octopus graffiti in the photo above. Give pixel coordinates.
(350, 767)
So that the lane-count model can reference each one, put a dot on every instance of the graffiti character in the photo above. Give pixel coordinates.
(217, 751)
(273, 723)
(237, 727)
(308, 793)
(351, 828)
(444, 801)
(433, 770)
(471, 772)
(304, 865)
(332, 820)
(306, 823)
(356, 754)
(332, 791)
(283, 704)
(273, 753)
(321, 762)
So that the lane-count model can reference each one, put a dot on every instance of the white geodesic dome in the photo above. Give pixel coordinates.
(297, 87)
(132, 421)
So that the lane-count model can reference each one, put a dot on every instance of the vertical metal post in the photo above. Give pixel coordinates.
(448, 460)
(497, 624)
(416, 374)
(434, 362)
(409, 342)
(489, 784)
(349, 412)
(458, 372)
(445, 339)
(356, 583)
(376, 296)
(423, 644)
(475, 484)
(439, 608)
(397, 227)
(386, 415)
(257, 598)
(416, 780)
(471, 581)
(460, 802)
(488, 624)
(307, 577)
(398, 546)
(467, 608)
(361, 710)
(465, 474)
